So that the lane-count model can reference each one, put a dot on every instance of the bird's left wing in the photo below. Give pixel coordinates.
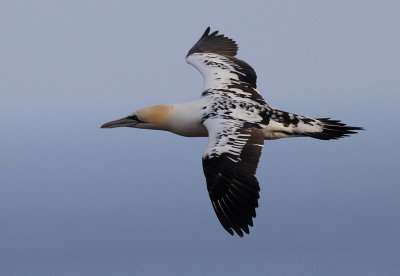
(229, 164)
(214, 56)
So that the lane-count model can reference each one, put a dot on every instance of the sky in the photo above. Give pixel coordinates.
(79, 200)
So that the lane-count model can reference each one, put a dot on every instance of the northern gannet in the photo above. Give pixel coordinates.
(237, 120)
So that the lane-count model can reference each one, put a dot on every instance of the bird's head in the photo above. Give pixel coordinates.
(152, 117)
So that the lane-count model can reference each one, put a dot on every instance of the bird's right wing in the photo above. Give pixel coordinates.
(230, 164)
(214, 56)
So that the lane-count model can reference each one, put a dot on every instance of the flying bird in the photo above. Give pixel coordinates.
(236, 119)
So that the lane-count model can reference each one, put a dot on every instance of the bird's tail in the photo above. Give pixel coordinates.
(291, 125)
(332, 129)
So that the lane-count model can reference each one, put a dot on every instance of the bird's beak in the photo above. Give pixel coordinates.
(124, 122)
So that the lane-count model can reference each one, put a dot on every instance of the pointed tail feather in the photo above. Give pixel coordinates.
(332, 129)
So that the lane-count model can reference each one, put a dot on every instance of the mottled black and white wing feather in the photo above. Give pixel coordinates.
(214, 56)
(230, 164)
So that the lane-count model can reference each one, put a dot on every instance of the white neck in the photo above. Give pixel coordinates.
(185, 119)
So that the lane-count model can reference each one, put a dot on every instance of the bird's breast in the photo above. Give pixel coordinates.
(186, 119)
(190, 130)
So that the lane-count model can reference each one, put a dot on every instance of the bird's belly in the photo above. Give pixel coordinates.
(275, 130)
(273, 135)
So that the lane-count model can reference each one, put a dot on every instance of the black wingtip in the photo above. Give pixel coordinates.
(214, 43)
(215, 33)
(206, 32)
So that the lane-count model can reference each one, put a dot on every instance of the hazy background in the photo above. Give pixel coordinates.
(79, 200)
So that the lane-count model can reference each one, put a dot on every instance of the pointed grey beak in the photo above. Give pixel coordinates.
(124, 122)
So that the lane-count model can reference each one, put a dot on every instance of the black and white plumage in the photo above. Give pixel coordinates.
(237, 120)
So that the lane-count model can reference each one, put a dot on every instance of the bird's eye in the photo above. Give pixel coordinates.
(135, 118)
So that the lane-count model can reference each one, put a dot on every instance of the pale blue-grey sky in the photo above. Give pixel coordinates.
(79, 200)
